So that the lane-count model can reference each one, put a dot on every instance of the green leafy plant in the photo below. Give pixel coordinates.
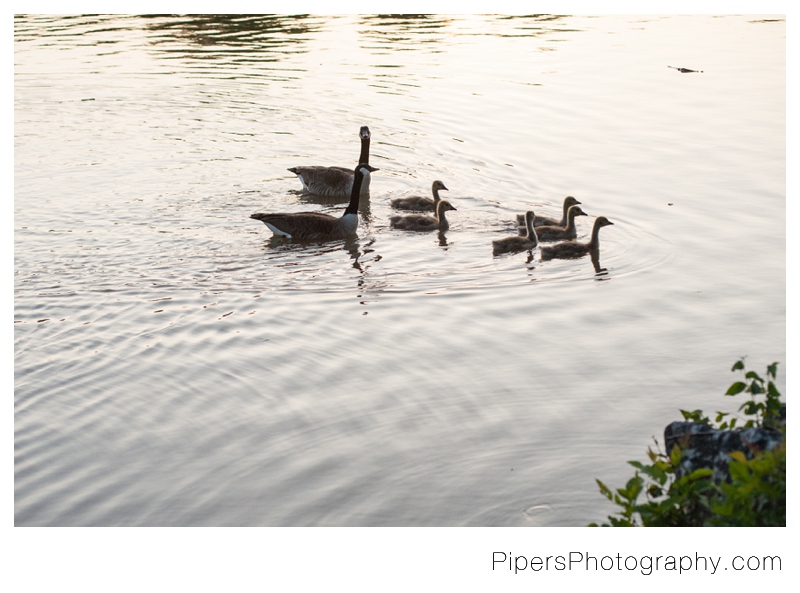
(755, 495)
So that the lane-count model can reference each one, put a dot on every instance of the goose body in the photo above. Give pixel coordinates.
(316, 226)
(518, 243)
(572, 249)
(422, 222)
(545, 221)
(420, 203)
(559, 233)
(335, 181)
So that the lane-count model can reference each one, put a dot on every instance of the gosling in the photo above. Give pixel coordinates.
(572, 249)
(422, 222)
(518, 243)
(420, 203)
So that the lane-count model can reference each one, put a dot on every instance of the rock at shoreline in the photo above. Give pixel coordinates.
(706, 447)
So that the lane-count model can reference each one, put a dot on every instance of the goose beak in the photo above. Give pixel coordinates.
(371, 168)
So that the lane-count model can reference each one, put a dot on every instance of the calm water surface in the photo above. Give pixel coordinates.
(176, 365)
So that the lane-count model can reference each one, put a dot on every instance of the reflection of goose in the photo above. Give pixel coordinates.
(421, 222)
(516, 244)
(561, 233)
(420, 203)
(573, 248)
(335, 181)
(316, 226)
(545, 221)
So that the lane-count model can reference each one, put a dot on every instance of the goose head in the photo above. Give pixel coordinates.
(364, 133)
(602, 221)
(438, 185)
(570, 201)
(576, 211)
(444, 206)
(366, 169)
(529, 218)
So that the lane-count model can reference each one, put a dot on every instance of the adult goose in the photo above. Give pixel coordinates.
(420, 203)
(334, 181)
(422, 222)
(559, 233)
(516, 244)
(545, 221)
(316, 226)
(572, 249)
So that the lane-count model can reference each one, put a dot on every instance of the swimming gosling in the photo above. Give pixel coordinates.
(517, 243)
(420, 203)
(558, 233)
(545, 221)
(572, 249)
(422, 222)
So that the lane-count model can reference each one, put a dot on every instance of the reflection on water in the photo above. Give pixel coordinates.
(404, 32)
(176, 364)
(233, 39)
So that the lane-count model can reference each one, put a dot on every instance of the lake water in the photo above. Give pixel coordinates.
(176, 365)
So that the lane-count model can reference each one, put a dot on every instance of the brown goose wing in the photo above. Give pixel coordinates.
(325, 180)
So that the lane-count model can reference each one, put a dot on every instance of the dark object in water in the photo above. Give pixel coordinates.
(684, 70)
(573, 249)
(316, 226)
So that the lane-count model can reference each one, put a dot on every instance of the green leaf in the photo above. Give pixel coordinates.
(737, 387)
(772, 391)
(753, 375)
(750, 408)
(755, 388)
(604, 489)
(634, 486)
(738, 456)
(738, 471)
(700, 474)
(738, 365)
(772, 370)
(675, 455)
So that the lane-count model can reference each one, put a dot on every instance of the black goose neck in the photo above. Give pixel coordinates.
(364, 157)
(355, 194)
